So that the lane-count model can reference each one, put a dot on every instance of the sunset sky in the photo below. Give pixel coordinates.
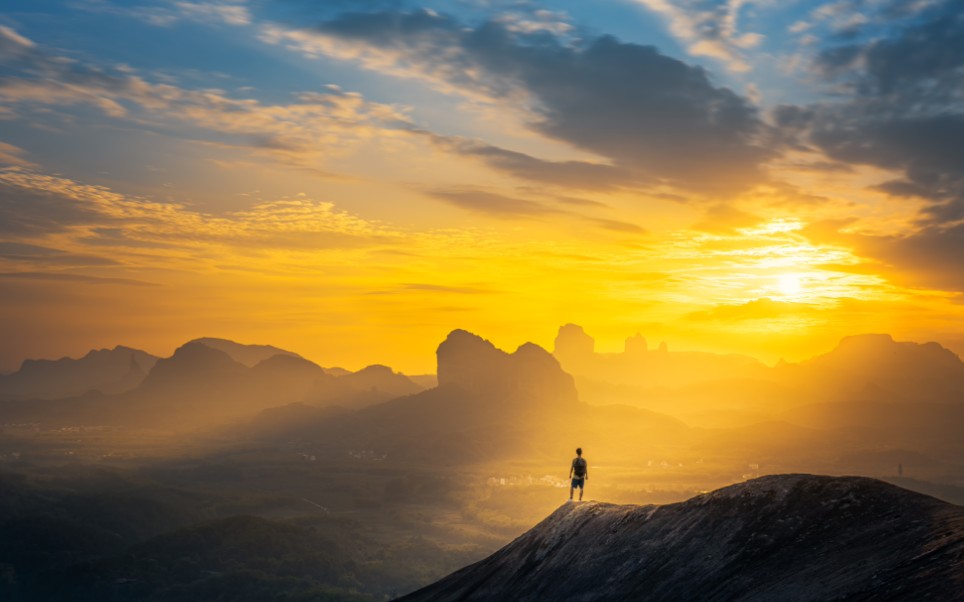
(352, 180)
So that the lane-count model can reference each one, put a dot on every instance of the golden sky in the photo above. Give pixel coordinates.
(352, 186)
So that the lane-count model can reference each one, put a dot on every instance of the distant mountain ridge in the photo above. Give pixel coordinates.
(782, 537)
(105, 370)
(903, 371)
(860, 368)
(523, 404)
(489, 404)
(249, 355)
(204, 382)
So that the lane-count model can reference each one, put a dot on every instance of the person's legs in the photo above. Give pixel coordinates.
(580, 493)
(570, 491)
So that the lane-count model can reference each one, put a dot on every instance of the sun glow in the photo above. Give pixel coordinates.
(790, 284)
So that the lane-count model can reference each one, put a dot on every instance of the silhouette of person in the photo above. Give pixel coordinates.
(579, 473)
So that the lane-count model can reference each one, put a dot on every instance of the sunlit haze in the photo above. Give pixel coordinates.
(354, 180)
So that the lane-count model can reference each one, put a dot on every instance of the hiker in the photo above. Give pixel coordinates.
(579, 473)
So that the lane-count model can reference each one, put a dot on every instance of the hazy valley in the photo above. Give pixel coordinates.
(250, 470)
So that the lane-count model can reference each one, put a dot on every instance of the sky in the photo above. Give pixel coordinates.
(353, 180)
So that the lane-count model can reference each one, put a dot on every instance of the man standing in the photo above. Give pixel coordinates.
(579, 473)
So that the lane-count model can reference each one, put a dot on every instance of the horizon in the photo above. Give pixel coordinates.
(652, 346)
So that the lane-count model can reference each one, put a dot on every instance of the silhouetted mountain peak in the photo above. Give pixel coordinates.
(883, 347)
(466, 359)
(572, 344)
(193, 364)
(380, 378)
(636, 345)
(105, 370)
(475, 364)
(784, 537)
(249, 355)
(900, 371)
(288, 362)
(535, 353)
(376, 369)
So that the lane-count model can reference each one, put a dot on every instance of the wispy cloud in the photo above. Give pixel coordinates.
(14, 155)
(303, 133)
(493, 204)
(709, 28)
(40, 203)
(59, 277)
(170, 12)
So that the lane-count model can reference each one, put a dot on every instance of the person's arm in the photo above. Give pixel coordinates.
(572, 467)
(586, 476)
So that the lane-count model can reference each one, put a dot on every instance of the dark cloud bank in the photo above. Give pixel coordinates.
(904, 111)
(651, 118)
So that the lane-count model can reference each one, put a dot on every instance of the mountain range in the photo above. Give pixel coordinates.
(489, 404)
(712, 389)
(206, 381)
(870, 395)
(106, 370)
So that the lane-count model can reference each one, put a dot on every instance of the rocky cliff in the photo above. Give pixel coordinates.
(785, 537)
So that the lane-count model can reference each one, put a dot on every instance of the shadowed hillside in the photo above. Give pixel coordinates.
(785, 537)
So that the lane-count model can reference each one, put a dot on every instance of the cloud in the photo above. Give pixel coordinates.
(34, 204)
(900, 107)
(565, 174)
(302, 133)
(617, 225)
(652, 120)
(36, 211)
(223, 12)
(227, 12)
(439, 288)
(12, 43)
(17, 252)
(724, 218)
(507, 207)
(62, 277)
(931, 257)
(13, 155)
(579, 202)
(709, 28)
(496, 205)
(757, 309)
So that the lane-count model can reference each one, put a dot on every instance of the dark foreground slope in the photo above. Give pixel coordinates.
(785, 537)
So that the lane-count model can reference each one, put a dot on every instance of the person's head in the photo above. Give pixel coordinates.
(578, 451)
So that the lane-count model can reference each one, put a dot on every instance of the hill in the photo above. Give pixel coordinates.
(249, 355)
(105, 370)
(203, 385)
(784, 537)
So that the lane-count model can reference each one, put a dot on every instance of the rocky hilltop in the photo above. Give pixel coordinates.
(475, 365)
(784, 537)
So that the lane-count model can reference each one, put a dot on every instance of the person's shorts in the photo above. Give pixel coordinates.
(578, 483)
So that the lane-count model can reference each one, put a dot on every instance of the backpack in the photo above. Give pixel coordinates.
(579, 468)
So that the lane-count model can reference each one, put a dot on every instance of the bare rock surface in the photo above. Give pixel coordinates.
(781, 537)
